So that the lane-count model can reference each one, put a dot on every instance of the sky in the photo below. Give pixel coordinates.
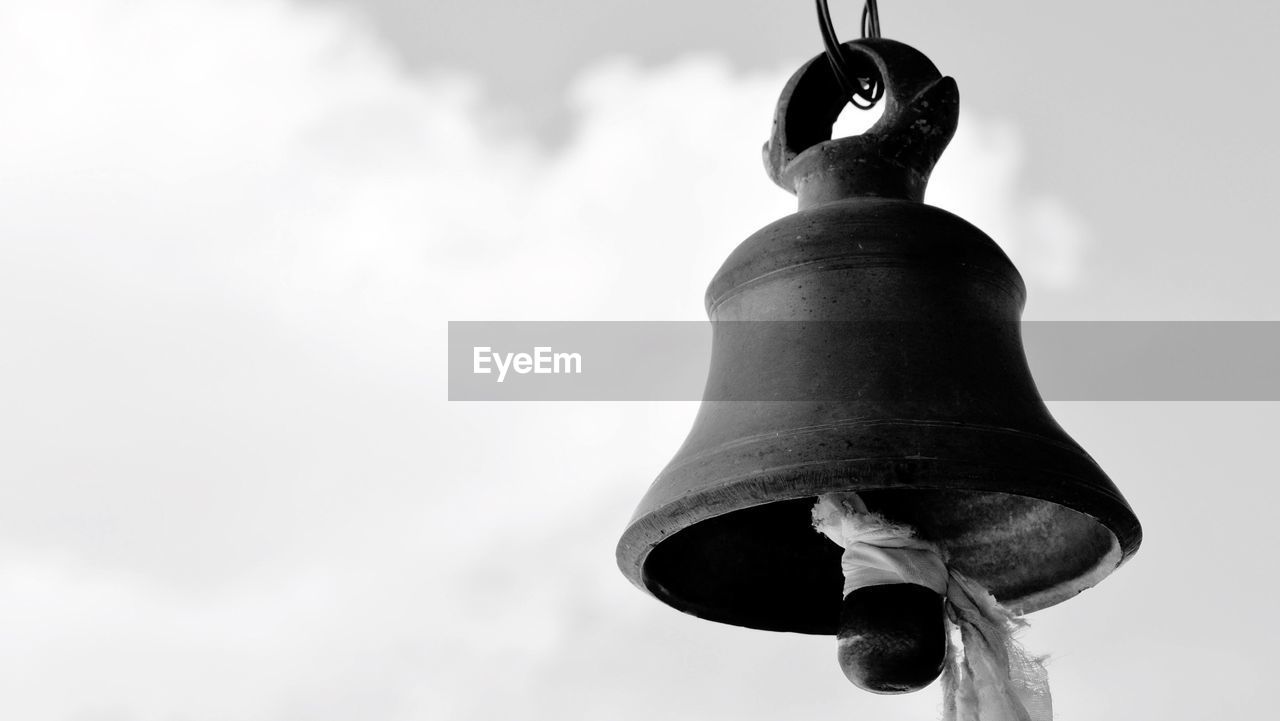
(233, 233)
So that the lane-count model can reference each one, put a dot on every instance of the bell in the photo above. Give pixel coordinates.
(869, 343)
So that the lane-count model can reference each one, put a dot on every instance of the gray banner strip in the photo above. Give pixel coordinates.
(670, 360)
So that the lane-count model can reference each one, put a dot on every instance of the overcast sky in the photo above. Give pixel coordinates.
(232, 233)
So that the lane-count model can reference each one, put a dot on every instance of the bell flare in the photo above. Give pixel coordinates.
(727, 535)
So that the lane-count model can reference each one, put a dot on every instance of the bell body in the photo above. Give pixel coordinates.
(869, 343)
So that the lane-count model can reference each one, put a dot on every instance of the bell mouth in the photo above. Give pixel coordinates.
(765, 567)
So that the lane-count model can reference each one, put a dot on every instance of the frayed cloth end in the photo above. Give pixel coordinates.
(987, 676)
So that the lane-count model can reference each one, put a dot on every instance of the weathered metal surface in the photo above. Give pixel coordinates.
(876, 341)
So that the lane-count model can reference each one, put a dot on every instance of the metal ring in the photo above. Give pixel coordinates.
(864, 90)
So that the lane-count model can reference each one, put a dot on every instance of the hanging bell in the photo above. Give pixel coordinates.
(869, 343)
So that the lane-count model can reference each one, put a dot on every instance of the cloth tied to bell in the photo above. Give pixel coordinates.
(987, 676)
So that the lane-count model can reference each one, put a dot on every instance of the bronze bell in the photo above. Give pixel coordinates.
(869, 343)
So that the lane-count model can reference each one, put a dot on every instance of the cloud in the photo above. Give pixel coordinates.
(978, 179)
(233, 233)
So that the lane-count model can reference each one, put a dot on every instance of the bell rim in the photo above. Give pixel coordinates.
(809, 479)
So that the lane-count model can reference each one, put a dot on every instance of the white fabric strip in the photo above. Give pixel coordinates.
(988, 677)
(876, 552)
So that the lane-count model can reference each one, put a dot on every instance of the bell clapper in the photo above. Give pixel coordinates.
(892, 634)
(892, 638)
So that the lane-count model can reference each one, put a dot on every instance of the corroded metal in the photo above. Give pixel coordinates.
(869, 343)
